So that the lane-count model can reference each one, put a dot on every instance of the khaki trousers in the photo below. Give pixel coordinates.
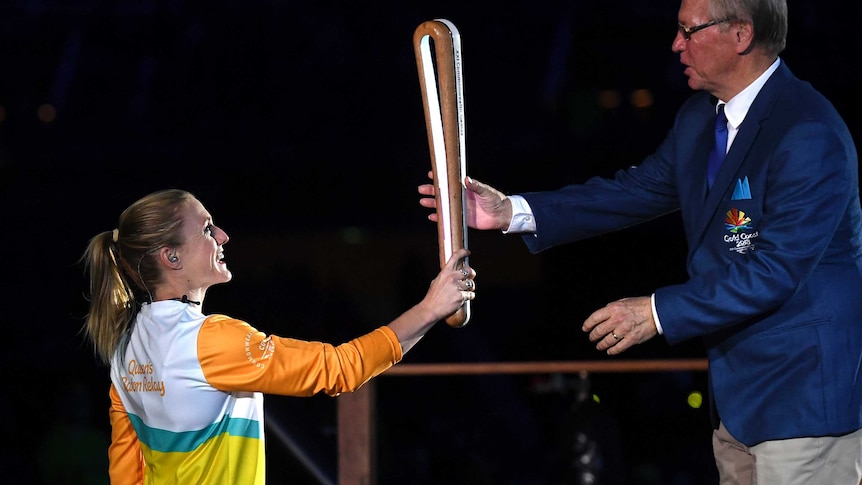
(828, 460)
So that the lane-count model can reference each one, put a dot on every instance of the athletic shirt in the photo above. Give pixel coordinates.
(187, 392)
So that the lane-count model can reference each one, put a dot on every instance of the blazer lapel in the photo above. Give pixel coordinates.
(725, 181)
(731, 169)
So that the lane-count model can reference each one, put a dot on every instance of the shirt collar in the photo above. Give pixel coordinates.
(738, 106)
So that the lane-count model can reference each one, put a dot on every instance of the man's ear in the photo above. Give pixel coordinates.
(744, 32)
(170, 258)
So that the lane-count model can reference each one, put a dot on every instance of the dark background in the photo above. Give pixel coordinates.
(299, 125)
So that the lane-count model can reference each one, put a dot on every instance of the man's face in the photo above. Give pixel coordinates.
(709, 51)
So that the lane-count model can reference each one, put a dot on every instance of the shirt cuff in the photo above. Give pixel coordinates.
(522, 216)
(655, 315)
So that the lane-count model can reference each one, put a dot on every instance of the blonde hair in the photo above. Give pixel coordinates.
(123, 265)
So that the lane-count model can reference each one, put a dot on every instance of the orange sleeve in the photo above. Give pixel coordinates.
(126, 462)
(236, 357)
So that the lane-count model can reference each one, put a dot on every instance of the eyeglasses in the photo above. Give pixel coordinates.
(688, 31)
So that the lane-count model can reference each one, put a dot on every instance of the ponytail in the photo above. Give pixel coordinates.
(112, 302)
(123, 267)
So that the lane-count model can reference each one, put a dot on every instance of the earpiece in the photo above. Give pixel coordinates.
(173, 258)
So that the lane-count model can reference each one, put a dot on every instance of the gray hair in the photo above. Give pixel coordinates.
(768, 18)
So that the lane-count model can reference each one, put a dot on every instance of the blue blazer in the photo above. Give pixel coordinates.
(774, 256)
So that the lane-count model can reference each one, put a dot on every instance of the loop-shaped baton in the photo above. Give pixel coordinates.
(443, 96)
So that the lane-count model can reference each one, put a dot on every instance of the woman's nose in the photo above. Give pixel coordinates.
(222, 237)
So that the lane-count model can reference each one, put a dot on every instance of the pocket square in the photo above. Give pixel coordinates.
(742, 191)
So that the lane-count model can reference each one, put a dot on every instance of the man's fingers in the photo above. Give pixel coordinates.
(595, 319)
(426, 189)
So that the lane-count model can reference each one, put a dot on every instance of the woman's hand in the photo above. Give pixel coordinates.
(451, 288)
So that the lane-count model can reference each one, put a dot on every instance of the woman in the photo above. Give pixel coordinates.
(187, 388)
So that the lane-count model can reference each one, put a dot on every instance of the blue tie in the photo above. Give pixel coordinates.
(716, 156)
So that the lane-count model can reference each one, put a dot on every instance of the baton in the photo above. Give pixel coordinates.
(443, 95)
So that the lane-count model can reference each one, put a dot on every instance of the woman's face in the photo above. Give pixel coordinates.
(202, 253)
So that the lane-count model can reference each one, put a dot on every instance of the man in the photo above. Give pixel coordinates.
(775, 248)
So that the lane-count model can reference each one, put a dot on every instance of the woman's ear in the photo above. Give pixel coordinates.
(168, 257)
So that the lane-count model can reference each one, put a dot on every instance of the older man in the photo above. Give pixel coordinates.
(764, 172)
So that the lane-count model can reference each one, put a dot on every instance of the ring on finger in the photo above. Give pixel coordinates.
(469, 284)
(614, 335)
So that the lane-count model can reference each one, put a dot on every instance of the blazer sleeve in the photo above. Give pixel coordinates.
(601, 205)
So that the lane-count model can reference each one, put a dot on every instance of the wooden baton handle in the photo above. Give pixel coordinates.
(442, 93)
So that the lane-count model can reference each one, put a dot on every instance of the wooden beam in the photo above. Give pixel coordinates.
(357, 451)
(567, 367)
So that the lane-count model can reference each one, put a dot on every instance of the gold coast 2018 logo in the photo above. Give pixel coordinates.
(736, 220)
(738, 224)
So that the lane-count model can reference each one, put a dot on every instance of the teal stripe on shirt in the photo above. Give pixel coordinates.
(184, 441)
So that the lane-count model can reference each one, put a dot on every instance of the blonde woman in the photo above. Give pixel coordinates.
(186, 387)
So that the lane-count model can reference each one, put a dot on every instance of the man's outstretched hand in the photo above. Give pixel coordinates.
(487, 207)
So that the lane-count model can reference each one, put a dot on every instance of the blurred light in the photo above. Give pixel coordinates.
(695, 400)
(609, 99)
(46, 113)
(596, 399)
(352, 236)
(642, 98)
